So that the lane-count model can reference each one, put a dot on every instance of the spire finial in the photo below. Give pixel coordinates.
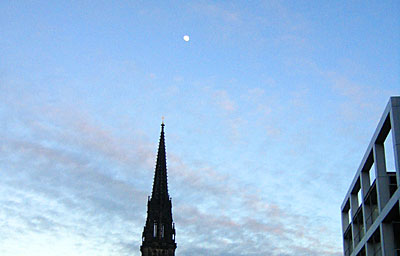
(162, 121)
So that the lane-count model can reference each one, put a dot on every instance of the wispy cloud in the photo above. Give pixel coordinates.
(218, 11)
(77, 178)
(223, 100)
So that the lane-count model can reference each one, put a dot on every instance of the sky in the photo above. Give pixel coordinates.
(269, 108)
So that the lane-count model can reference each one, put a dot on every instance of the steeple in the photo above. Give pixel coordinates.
(160, 185)
(159, 231)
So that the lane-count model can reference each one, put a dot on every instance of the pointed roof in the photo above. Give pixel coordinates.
(160, 185)
(159, 230)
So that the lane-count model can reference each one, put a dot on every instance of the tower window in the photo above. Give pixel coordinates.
(155, 230)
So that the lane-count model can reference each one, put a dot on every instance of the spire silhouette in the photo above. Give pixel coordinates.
(160, 185)
(159, 231)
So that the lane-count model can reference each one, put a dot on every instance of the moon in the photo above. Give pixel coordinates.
(186, 38)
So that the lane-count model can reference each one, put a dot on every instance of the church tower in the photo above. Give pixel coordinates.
(158, 237)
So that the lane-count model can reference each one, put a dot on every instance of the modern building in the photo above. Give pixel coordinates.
(158, 237)
(370, 210)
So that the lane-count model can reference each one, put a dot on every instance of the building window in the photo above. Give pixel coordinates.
(389, 153)
(375, 243)
(359, 197)
(371, 204)
(348, 242)
(358, 226)
(155, 230)
(372, 175)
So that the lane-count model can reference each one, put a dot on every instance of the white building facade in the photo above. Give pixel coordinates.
(370, 210)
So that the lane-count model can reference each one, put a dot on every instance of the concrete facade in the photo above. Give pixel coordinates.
(370, 210)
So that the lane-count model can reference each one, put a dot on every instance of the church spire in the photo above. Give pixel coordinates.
(159, 231)
(160, 185)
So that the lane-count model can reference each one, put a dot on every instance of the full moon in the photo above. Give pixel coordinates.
(186, 38)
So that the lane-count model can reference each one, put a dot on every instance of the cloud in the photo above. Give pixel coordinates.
(271, 223)
(68, 175)
(357, 97)
(77, 179)
(217, 11)
(223, 100)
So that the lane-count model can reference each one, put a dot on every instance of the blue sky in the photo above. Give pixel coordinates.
(268, 109)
